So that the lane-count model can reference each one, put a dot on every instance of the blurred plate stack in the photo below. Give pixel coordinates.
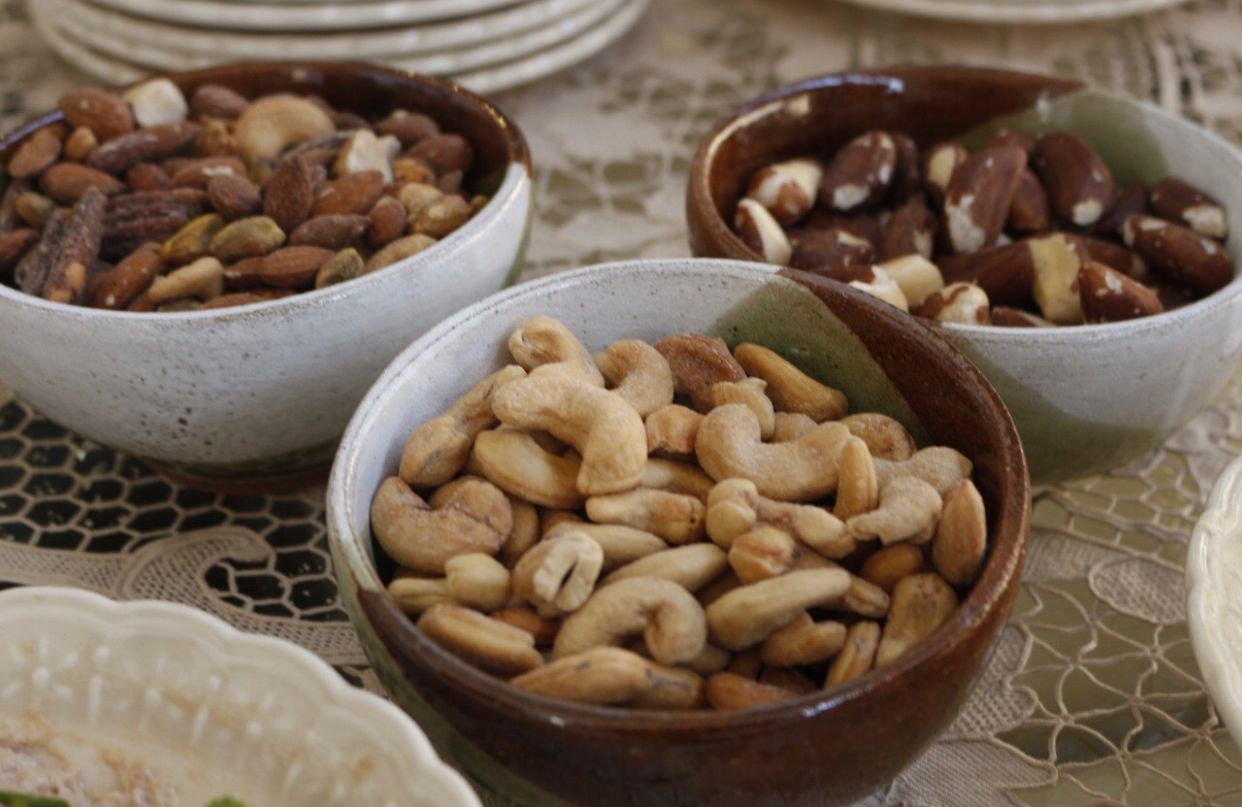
(487, 45)
(1020, 11)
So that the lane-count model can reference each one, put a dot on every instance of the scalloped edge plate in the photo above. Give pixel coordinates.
(1019, 11)
(304, 15)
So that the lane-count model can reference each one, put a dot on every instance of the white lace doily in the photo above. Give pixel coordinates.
(1092, 696)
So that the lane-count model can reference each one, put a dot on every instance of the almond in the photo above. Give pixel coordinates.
(34, 208)
(442, 217)
(197, 173)
(117, 288)
(333, 232)
(1109, 296)
(290, 194)
(1029, 212)
(350, 194)
(1006, 273)
(979, 195)
(860, 173)
(907, 177)
(294, 267)
(386, 222)
(245, 298)
(233, 197)
(134, 218)
(444, 153)
(1115, 256)
(406, 169)
(104, 113)
(245, 274)
(66, 182)
(37, 152)
(1183, 203)
(14, 244)
(862, 225)
(787, 189)
(1179, 253)
(408, 127)
(450, 182)
(398, 250)
(144, 145)
(1079, 184)
(830, 252)
(759, 231)
(1130, 201)
(910, 231)
(147, 177)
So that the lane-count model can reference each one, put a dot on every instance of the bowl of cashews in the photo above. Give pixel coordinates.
(680, 531)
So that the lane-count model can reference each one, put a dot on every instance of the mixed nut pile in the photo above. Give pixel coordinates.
(1028, 231)
(673, 526)
(148, 201)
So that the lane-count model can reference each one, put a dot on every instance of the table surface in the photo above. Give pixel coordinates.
(1092, 695)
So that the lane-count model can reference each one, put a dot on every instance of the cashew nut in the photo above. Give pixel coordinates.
(734, 506)
(921, 604)
(885, 437)
(477, 580)
(803, 641)
(889, 564)
(477, 518)
(671, 688)
(790, 389)
(558, 574)
(939, 466)
(438, 449)
(961, 538)
(543, 630)
(416, 594)
(790, 426)
(691, 567)
(748, 615)
(750, 392)
(513, 461)
(670, 619)
(204, 279)
(763, 553)
(672, 516)
(273, 123)
(550, 519)
(606, 430)
(156, 102)
(698, 361)
(711, 661)
(603, 676)
(677, 477)
(542, 340)
(862, 598)
(671, 430)
(857, 656)
(620, 544)
(857, 489)
(480, 640)
(364, 152)
(728, 691)
(525, 531)
(909, 509)
(638, 373)
(729, 444)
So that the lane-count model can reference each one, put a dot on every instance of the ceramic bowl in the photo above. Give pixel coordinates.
(1085, 398)
(212, 710)
(1214, 596)
(826, 748)
(260, 394)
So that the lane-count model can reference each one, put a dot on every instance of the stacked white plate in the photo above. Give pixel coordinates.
(487, 45)
(1021, 11)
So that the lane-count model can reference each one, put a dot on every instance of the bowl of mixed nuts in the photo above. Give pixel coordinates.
(609, 548)
(1072, 242)
(208, 269)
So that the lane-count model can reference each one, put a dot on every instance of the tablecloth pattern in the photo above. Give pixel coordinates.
(1092, 696)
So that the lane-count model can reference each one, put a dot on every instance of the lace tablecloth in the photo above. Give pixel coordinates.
(1092, 696)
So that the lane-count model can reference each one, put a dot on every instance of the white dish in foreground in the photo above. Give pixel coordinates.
(1020, 11)
(213, 710)
(1214, 596)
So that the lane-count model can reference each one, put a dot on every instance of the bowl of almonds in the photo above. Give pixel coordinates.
(610, 548)
(1072, 242)
(207, 269)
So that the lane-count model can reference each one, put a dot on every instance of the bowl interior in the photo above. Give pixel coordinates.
(850, 342)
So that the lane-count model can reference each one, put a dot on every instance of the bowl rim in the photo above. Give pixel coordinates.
(986, 594)
(698, 193)
(400, 730)
(1220, 522)
(514, 185)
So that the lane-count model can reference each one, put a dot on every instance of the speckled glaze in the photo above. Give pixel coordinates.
(823, 749)
(1214, 595)
(261, 393)
(1085, 398)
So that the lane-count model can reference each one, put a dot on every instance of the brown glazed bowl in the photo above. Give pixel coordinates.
(1084, 397)
(258, 395)
(830, 747)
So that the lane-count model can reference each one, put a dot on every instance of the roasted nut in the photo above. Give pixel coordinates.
(762, 233)
(34, 208)
(833, 253)
(1006, 272)
(857, 489)
(14, 244)
(676, 477)
(911, 231)
(671, 620)
(638, 373)
(803, 641)
(105, 114)
(156, 102)
(192, 241)
(234, 197)
(692, 567)
(621, 545)
(917, 277)
(786, 189)
(445, 153)
(763, 553)
(962, 303)
(698, 362)
(735, 507)
(939, 164)
(727, 691)
(749, 614)
(1110, 296)
(67, 182)
(477, 580)
(671, 430)
(750, 393)
(476, 519)
(76, 250)
(790, 389)
(1177, 252)
(290, 194)
(397, 251)
(512, 461)
(144, 145)
(541, 341)
(81, 142)
(856, 656)
(441, 217)
(386, 222)
(217, 101)
(365, 152)
(558, 574)
(979, 195)
(859, 174)
(939, 466)
(674, 517)
(542, 630)
(37, 152)
(204, 279)
(487, 642)
(909, 510)
(907, 176)
(790, 426)
(293, 267)
(961, 537)
(334, 232)
(889, 564)
(408, 127)
(921, 604)
(1185, 204)
(1029, 212)
(197, 173)
(250, 237)
(878, 284)
(610, 675)
(414, 595)
(1016, 318)
(1080, 186)
(271, 124)
(1057, 261)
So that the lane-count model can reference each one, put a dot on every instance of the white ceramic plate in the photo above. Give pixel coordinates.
(285, 15)
(1214, 596)
(486, 80)
(154, 56)
(1020, 11)
(407, 41)
(212, 709)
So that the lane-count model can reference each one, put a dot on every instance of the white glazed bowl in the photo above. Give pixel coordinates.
(1214, 596)
(263, 392)
(213, 710)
